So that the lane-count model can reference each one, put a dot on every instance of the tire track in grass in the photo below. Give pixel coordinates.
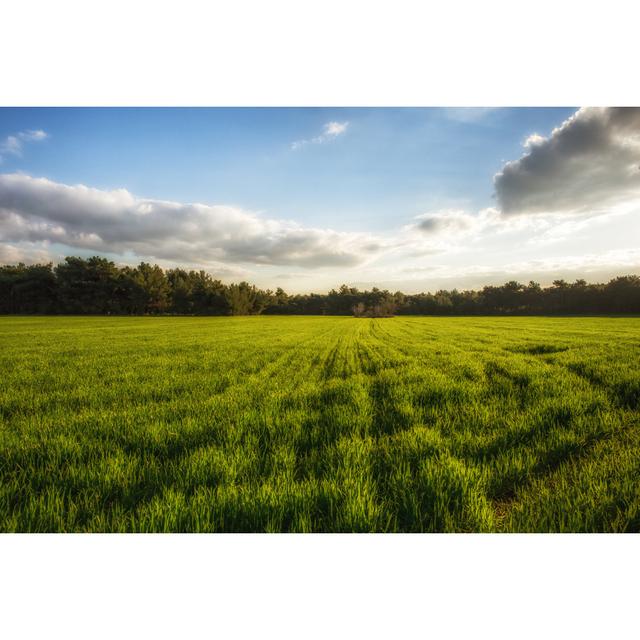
(171, 449)
(420, 483)
(266, 436)
(558, 438)
(625, 392)
(348, 468)
(334, 446)
(576, 475)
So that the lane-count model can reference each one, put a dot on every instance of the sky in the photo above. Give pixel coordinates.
(307, 199)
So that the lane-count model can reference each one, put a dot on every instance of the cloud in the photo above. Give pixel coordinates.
(335, 128)
(468, 115)
(13, 144)
(291, 276)
(451, 230)
(29, 253)
(577, 191)
(596, 267)
(444, 222)
(330, 131)
(33, 135)
(36, 210)
(589, 163)
(438, 232)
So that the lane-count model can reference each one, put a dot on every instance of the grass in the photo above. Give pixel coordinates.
(319, 424)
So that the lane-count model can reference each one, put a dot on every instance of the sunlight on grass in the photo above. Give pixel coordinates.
(319, 424)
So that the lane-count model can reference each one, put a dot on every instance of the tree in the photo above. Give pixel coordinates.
(359, 310)
(181, 287)
(244, 299)
(155, 285)
(623, 294)
(28, 289)
(88, 286)
(98, 286)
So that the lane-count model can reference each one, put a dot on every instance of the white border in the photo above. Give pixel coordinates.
(331, 53)
(315, 586)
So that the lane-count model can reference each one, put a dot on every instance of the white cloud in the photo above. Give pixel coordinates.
(335, 128)
(39, 210)
(330, 131)
(13, 144)
(33, 135)
(588, 164)
(534, 140)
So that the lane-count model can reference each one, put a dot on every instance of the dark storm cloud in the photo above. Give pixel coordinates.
(589, 163)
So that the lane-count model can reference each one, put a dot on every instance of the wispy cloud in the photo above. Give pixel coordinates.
(330, 131)
(469, 115)
(14, 144)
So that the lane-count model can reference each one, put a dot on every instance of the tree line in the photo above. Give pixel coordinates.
(98, 286)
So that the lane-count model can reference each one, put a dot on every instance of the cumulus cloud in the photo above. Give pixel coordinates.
(39, 210)
(13, 144)
(330, 131)
(589, 163)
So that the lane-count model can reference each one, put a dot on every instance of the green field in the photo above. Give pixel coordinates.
(319, 424)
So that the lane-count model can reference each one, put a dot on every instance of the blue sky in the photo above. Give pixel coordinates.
(377, 172)
(391, 164)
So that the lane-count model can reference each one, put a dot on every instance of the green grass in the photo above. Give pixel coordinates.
(319, 424)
